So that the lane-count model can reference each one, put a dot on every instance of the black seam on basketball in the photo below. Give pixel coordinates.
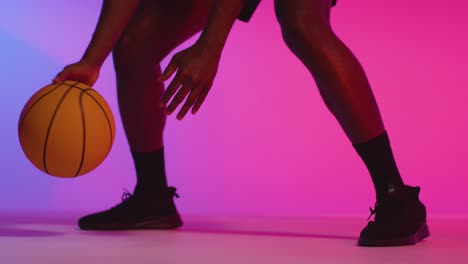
(84, 134)
(103, 111)
(33, 104)
(100, 106)
(105, 115)
(71, 85)
(50, 127)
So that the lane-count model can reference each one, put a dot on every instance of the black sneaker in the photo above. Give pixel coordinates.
(136, 212)
(400, 220)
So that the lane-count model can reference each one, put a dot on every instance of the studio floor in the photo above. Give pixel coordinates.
(56, 239)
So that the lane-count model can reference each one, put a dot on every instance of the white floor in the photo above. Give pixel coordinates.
(56, 239)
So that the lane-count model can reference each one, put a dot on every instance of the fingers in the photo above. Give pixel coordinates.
(201, 98)
(61, 76)
(196, 96)
(172, 88)
(179, 97)
(188, 103)
(190, 81)
(170, 69)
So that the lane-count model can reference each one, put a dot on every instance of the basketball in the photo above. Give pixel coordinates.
(66, 129)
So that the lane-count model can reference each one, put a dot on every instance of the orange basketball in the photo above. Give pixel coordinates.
(66, 129)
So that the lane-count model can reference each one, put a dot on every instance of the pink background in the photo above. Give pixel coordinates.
(263, 144)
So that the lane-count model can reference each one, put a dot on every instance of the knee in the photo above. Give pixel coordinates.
(302, 29)
(126, 54)
(132, 54)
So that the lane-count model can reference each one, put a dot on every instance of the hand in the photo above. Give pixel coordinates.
(80, 72)
(196, 69)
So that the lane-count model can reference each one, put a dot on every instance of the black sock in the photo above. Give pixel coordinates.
(151, 173)
(378, 157)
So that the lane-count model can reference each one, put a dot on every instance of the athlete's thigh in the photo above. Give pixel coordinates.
(159, 26)
(298, 9)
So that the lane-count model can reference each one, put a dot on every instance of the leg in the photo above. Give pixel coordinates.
(340, 78)
(342, 83)
(305, 24)
(157, 27)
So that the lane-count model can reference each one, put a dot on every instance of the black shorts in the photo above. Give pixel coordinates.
(249, 9)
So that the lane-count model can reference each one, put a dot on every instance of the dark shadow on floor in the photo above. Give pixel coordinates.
(7, 223)
(266, 233)
(8, 218)
(211, 228)
(18, 232)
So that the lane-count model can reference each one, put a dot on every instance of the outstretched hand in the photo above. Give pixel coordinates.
(196, 69)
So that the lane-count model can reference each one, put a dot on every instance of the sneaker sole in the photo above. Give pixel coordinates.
(147, 223)
(421, 234)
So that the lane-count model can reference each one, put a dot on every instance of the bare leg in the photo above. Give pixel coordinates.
(400, 216)
(157, 28)
(342, 83)
(340, 78)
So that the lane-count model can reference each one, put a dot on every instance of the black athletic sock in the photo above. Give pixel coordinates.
(151, 173)
(378, 157)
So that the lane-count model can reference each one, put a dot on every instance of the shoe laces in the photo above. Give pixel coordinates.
(383, 210)
(125, 195)
(172, 192)
(126, 199)
(373, 211)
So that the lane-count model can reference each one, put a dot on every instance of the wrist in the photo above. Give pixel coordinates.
(92, 62)
(214, 45)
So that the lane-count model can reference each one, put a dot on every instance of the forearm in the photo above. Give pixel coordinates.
(114, 17)
(220, 22)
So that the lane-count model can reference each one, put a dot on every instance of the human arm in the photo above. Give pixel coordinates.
(115, 16)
